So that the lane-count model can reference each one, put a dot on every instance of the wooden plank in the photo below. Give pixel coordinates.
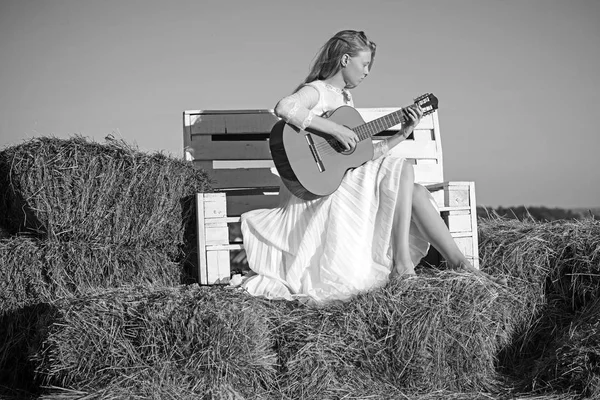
(453, 194)
(437, 137)
(237, 205)
(228, 247)
(473, 204)
(218, 266)
(456, 196)
(187, 136)
(466, 209)
(415, 149)
(232, 123)
(466, 246)
(215, 205)
(242, 177)
(216, 232)
(261, 121)
(423, 134)
(195, 114)
(458, 222)
(428, 173)
(202, 273)
(418, 134)
(205, 148)
(241, 164)
(227, 176)
(461, 234)
(438, 196)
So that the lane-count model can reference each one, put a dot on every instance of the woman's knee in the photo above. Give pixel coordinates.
(407, 174)
(420, 193)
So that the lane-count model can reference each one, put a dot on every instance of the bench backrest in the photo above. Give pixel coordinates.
(233, 147)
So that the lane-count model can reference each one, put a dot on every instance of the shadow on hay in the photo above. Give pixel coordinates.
(189, 247)
(25, 223)
(22, 333)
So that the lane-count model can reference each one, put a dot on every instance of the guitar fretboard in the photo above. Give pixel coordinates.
(380, 124)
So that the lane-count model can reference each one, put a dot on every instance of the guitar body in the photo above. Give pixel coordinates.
(312, 164)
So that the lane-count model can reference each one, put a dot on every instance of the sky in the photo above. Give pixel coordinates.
(517, 80)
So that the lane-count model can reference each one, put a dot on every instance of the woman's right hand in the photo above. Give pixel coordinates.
(346, 136)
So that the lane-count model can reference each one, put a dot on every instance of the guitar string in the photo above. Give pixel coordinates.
(333, 146)
(362, 130)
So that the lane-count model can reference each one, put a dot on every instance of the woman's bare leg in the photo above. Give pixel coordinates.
(434, 228)
(436, 232)
(401, 227)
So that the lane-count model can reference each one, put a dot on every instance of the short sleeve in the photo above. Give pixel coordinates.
(296, 108)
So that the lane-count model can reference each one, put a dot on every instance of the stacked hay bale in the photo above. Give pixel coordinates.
(435, 333)
(77, 190)
(175, 342)
(556, 266)
(76, 215)
(117, 209)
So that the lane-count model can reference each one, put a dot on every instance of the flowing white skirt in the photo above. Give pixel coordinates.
(333, 247)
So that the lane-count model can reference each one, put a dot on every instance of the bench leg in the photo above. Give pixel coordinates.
(212, 238)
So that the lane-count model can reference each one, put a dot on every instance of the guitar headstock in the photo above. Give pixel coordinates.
(428, 103)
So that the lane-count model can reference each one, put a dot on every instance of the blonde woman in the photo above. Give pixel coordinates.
(378, 223)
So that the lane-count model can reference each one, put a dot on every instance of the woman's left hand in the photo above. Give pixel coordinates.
(412, 116)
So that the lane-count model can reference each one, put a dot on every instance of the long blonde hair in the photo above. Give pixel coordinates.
(327, 62)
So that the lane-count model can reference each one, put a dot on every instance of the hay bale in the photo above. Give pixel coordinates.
(560, 258)
(78, 190)
(207, 337)
(34, 271)
(434, 332)
(556, 267)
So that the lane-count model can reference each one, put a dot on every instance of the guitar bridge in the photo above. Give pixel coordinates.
(314, 152)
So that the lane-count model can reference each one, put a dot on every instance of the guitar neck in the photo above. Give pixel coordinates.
(369, 129)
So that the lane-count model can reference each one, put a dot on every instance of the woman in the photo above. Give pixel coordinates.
(377, 224)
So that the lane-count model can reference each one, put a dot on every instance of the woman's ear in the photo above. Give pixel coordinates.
(345, 59)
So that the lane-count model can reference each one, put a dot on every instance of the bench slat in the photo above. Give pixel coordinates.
(236, 173)
(261, 121)
(232, 123)
(204, 148)
(237, 205)
(239, 177)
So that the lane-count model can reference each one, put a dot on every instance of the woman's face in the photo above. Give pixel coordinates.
(356, 69)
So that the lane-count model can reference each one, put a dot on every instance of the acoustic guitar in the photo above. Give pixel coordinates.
(312, 164)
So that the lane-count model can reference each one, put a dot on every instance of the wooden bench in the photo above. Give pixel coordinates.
(233, 147)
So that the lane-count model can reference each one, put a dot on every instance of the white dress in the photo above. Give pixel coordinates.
(333, 247)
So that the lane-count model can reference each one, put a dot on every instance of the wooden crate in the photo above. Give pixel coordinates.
(233, 147)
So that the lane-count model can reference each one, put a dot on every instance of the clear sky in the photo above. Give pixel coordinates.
(517, 80)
